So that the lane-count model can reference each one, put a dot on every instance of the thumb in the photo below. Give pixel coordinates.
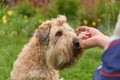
(81, 41)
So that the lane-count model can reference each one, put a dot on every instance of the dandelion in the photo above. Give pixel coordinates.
(4, 20)
(85, 22)
(99, 20)
(93, 23)
(40, 21)
(9, 13)
(25, 17)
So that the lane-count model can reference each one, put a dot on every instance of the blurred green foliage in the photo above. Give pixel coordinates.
(19, 23)
(1, 5)
(25, 9)
(68, 7)
(108, 12)
(104, 18)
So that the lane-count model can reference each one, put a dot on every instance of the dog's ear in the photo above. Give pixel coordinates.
(42, 33)
(61, 19)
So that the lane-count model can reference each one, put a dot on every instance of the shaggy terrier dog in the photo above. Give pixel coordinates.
(54, 46)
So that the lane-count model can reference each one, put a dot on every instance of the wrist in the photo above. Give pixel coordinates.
(103, 41)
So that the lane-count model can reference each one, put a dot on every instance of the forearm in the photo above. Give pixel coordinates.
(103, 41)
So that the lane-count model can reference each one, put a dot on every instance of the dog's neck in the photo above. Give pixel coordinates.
(34, 59)
(35, 52)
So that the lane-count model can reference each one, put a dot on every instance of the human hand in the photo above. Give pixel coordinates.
(90, 37)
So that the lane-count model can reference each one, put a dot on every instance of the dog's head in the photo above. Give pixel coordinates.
(63, 47)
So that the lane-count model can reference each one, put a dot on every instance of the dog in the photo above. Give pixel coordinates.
(54, 46)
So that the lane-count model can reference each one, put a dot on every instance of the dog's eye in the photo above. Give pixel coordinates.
(59, 33)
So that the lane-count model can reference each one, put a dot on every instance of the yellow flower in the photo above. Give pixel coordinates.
(40, 21)
(85, 22)
(4, 17)
(93, 23)
(99, 20)
(25, 17)
(9, 12)
(4, 20)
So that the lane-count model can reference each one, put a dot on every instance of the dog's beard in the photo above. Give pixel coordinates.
(64, 57)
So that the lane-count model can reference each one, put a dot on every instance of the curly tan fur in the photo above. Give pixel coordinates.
(54, 46)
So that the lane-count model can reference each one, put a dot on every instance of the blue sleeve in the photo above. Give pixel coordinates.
(110, 67)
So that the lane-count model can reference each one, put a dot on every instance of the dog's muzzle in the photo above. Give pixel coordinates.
(76, 44)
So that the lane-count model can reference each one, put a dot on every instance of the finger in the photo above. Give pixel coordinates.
(83, 28)
(82, 43)
(84, 34)
(83, 37)
(79, 31)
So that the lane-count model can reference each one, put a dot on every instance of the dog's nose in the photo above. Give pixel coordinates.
(76, 43)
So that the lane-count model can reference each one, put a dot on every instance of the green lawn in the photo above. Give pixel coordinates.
(9, 48)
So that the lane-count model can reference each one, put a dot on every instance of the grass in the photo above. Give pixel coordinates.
(9, 48)
(17, 31)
